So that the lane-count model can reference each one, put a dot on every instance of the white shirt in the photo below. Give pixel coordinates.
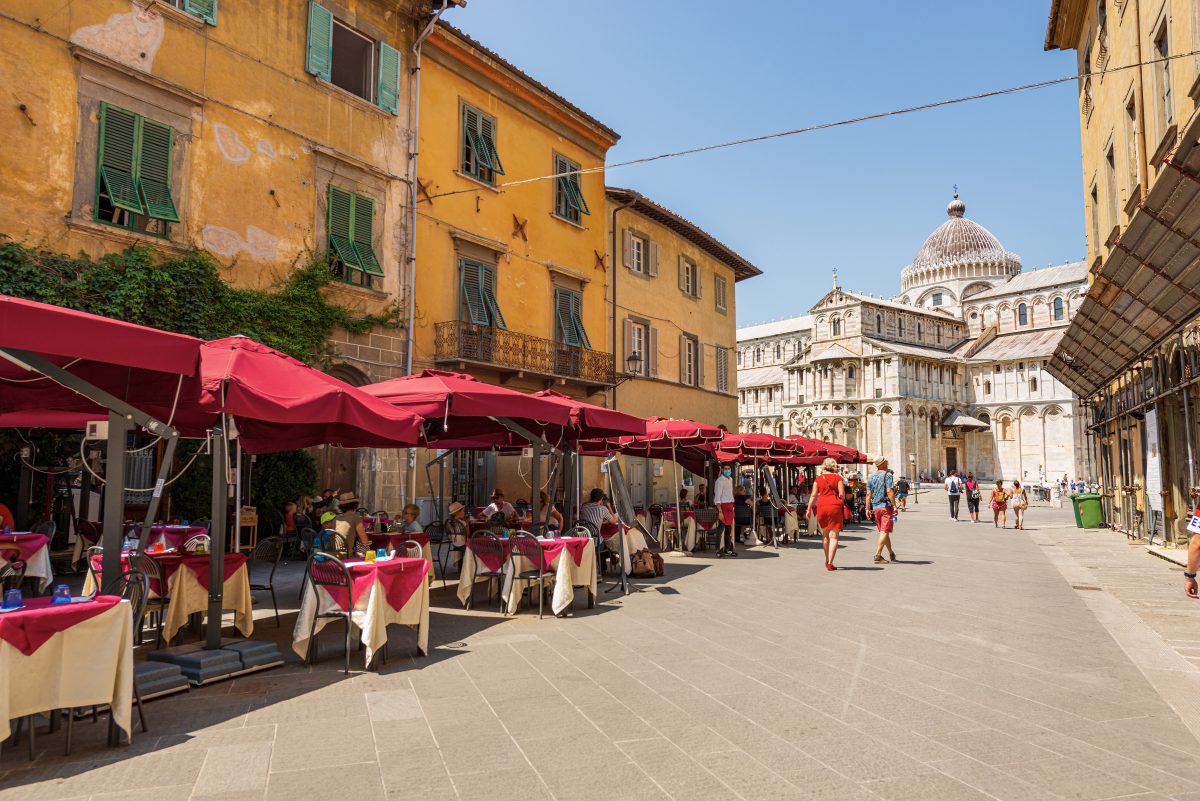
(953, 485)
(723, 489)
(503, 506)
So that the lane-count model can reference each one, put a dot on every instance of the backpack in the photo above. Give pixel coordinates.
(659, 566)
(642, 564)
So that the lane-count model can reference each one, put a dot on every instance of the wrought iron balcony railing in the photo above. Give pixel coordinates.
(460, 341)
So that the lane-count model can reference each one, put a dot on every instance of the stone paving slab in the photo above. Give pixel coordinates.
(971, 670)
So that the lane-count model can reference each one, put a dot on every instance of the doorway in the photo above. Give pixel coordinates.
(951, 460)
(637, 481)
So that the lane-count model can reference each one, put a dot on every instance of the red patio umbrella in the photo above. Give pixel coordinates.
(590, 421)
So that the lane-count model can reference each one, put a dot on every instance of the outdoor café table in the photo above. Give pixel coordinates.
(474, 525)
(35, 553)
(173, 536)
(394, 539)
(576, 569)
(59, 656)
(688, 535)
(186, 576)
(391, 591)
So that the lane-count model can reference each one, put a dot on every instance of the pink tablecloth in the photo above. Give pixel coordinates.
(168, 563)
(29, 543)
(174, 536)
(399, 577)
(29, 628)
(550, 551)
(479, 525)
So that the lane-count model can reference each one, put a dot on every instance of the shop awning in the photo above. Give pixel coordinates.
(956, 419)
(1149, 285)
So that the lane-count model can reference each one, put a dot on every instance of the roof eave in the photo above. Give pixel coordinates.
(1062, 25)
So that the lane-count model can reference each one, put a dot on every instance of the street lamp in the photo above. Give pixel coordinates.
(633, 367)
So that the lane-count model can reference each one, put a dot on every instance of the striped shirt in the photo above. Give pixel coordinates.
(597, 514)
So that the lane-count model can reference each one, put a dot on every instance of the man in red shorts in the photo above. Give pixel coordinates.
(881, 501)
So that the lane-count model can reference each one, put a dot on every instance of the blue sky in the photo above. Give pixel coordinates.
(669, 75)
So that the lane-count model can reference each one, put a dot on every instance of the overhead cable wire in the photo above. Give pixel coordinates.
(823, 126)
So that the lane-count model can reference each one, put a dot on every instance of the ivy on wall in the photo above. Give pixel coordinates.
(187, 294)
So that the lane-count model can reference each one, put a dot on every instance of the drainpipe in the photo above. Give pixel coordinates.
(414, 116)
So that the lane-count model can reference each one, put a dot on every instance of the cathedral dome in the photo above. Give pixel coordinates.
(958, 249)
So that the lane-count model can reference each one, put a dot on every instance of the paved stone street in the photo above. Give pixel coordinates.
(972, 670)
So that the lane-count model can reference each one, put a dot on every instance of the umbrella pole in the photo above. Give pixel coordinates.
(114, 497)
(678, 505)
(534, 499)
(237, 497)
(220, 515)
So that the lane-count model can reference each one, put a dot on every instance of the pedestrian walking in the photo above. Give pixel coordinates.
(1193, 564)
(999, 502)
(954, 492)
(971, 487)
(1020, 502)
(828, 500)
(881, 499)
(902, 494)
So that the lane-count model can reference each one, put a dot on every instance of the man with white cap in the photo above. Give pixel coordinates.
(881, 500)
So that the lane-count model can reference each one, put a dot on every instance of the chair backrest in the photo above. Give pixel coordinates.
(526, 545)
(193, 543)
(326, 570)
(90, 531)
(705, 516)
(93, 555)
(436, 531)
(267, 552)
(47, 527)
(12, 568)
(590, 528)
(413, 549)
(485, 543)
(145, 564)
(335, 542)
(133, 586)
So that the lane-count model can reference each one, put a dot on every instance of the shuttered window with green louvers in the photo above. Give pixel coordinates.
(388, 93)
(204, 9)
(133, 172)
(480, 158)
(319, 59)
(351, 224)
(478, 287)
(568, 196)
(568, 317)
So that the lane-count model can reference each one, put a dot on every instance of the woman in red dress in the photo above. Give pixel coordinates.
(828, 499)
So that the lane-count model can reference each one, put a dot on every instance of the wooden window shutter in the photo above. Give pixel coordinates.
(563, 319)
(697, 281)
(653, 269)
(118, 157)
(652, 355)
(683, 274)
(204, 9)
(389, 78)
(699, 364)
(319, 60)
(629, 339)
(154, 170)
(339, 223)
(627, 248)
(577, 320)
(472, 292)
(489, 296)
(683, 359)
(363, 235)
(487, 137)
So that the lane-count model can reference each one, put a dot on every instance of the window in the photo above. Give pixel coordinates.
(689, 277)
(722, 369)
(987, 387)
(1110, 185)
(778, 351)
(837, 328)
(478, 288)
(1058, 308)
(637, 336)
(739, 358)
(1022, 314)
(1006, 428)
(1101, 14)
(879, 323)
(719, 289)
(939, 333)
(937, 298)
(933, 426)
(568, 320)
(1033, 385)
(758, 355)
(351, 61)
(770, 394)
(1162, 51)
(1095, 209)
(878, 369)
(1085, 88)
(900, 326)
(479, 157)
(351, 224)
(204, 9)
(920, 331)
(1133, 160)
(878, 392)
(637, 247)
(850, 372)
(568, 195)
(757, 396)
(690, 362)
(996, 368)
(133, 172)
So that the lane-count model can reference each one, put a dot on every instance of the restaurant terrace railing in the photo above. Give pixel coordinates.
(460, 341)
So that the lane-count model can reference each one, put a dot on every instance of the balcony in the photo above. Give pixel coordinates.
(466, 343)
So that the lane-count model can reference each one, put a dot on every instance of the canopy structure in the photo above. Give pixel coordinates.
(589, 421)
(956, 419)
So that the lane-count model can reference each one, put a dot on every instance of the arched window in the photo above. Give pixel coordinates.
(757, 355)
(1005, 428)
(779, 430)
(879, 324)
(837, 328)
(1023, 314)
(920, 330)
(939, 333)
(1058, 308)
(1033, 385)
(987, 387)
(900, 326)
(778, 350)
(850, 372)
(740, 354)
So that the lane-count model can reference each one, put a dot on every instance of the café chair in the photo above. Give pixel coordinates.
(485, 543)
(326, 570)
(158, 604)
(524, 545)
(266, 556)
(94, 555)
(412, 549)
(12, 567)
(194, 544)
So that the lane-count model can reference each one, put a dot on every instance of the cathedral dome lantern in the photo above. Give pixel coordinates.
(960, 257)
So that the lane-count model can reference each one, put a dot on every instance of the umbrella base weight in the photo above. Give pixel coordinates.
(234, 658)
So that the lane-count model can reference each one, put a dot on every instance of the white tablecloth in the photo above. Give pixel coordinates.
(372, 614)
(90, 663)
(38, 566)
(567, 576)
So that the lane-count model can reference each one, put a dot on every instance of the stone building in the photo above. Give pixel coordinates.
(950, 374)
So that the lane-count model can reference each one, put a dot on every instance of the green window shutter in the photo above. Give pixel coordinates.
(487, 136)
(472, 292)
(577, 320)
(154, 170)
(479, 155)
(362, 234)
(562, 318)
(204, 9)
(118, 157)
(489, 296)
(319, 61)
(340, 213)
(577, 193)
(389, 78)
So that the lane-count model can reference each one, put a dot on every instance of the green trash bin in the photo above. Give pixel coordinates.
(1089, 513)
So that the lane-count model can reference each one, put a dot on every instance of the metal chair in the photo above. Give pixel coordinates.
(12, 567)
(526, 546)
(94, 555)
(326, 570)
(267, 553)
(156, 606)
(47, 527)
(706, 528)
(412, 549)
(670, 534)
(486, 544)
(197, 542)
(336, 544)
